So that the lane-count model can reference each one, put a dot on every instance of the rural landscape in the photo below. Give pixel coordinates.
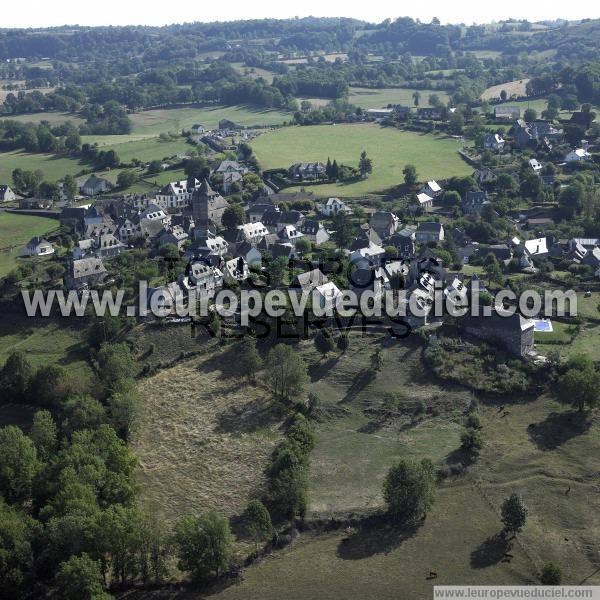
(186, 446)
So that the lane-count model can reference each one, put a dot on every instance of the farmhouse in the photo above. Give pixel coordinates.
(95, 185)
(507, 113)
(38, 246)
(332, 207)
(384, 223)
(6, 194)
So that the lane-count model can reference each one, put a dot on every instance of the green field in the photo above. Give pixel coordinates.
(15, 231)
(153, 122)
(146, 149)
(389, 149)
(53, 167)
(54, 118)
(380, 98)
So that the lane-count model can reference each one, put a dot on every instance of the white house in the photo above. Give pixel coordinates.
(253, 232)
(325, 295)
(577, 155)
(424, 202)
(38, 246)
(432, 189)
(6, 194)
(332, 207)
(367, 257)
(535, 165)
(176, 194)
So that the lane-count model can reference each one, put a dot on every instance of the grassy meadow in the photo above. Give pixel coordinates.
(389, 149)
(203, 443)
(380, 98)
(15, 231)
(53, 167)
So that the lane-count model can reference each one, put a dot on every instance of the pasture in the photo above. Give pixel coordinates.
(380, 98)
(513, 88)
(389, 149)
(15, 231)
(53, 167)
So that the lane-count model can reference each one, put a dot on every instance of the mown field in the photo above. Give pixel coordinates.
(51, 166)
(533, 446)
(15, 231)
(380, 98)
(389, 149)
(153, 122)
(516, 88)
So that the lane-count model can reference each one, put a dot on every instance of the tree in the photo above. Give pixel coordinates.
(43, 434)
(154, 166)
(80, 578)
(286, 371)
(69, 187)
(503, 95)
(19, 464)
(551, 574)
(530, 115)
(303, 245)
(416, 97)
(377, 360)
(15, 377)
(115, 364)
(16, 532)
(277, 268)
(365, 164)
(126, 179)
(409, 489)
(233, 216)
(250, 360)
(50, 386)
(410, 174)
(324, 341)
(257, 521)
(203, 545)
(471, 442)
(124, 408)
(196, 168)
(343, 342)
(514, 514)
(505, 183)
(492, 268)
(456, 122)
(343, 230)
(580, 384)
(82, 412)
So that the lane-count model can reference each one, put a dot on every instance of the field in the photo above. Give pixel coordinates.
(52, 167)
(380, 98)
(205, 439)
(5, 93)
(533, 446)
(153, 122)
(389, 149)
(54, 118)
(516, 88)
(15, 231)
(145, 149)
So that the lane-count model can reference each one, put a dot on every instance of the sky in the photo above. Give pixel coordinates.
(46, 13)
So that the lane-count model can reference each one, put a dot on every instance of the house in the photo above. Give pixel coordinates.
(200, 279)
(197, 132)
(6, 194)
(232, 172)
(494, 142)
(38, 246)
(592, 258)
(577, 155)
(308, 171)
(432, 189)
(384, 223)
(484, 176)
(404, 241)
(229, 179)
(252, 232)
(248, 252)
(107, 246)
(474, 201)
(73, 216)
(380, 113)
(366, 236)
(309, 280)
(82, 248)
(257, 210)
(129, 227)
(431, 113)
(325, 296)
(314, 231)
(173, 235)
(332, 207)
(524, 134)
(537, 248)
(289, 217)
(422, 202)
(545, 130)
(535, 165)
(162, 300)
(85, 273)
(367, 257)
(428, 232)
(514, 333)
(507, 113)
(289, 234)
(370, 279)
(176, 194)
(95, 185)
(235, 270)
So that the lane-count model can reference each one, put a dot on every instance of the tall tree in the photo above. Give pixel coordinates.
(365, 164)
(286, 371)
(514, 514)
